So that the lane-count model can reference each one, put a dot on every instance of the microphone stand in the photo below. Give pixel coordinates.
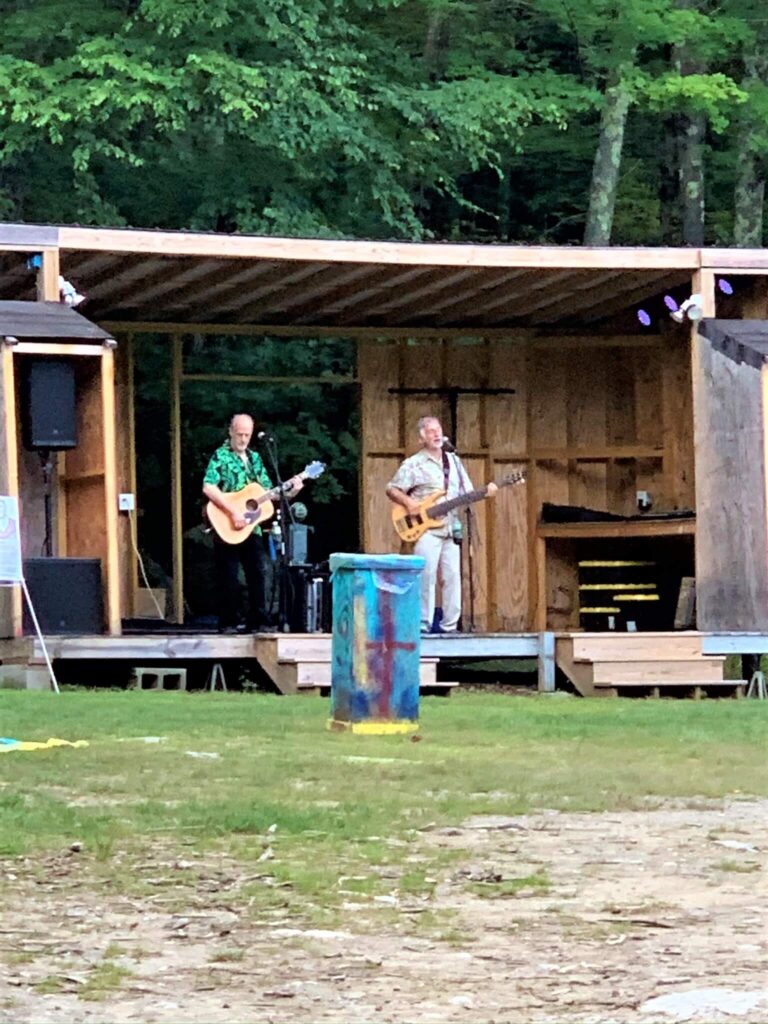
(284, 522)
(470, 538)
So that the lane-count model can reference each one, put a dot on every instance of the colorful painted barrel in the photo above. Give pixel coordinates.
(376, 642)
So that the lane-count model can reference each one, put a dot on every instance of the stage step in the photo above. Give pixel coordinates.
(313, 674)
(600, 664)
(636, 646)
(435, 688)
(655, 673)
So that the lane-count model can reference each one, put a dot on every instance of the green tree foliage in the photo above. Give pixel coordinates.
(489, 119)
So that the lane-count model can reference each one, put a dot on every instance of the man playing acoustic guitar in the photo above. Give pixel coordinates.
(432, 470)
(232, 467)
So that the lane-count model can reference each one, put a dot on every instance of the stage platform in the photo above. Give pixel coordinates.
(592, 664)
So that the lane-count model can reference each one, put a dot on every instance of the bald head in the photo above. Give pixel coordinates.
(240, 431)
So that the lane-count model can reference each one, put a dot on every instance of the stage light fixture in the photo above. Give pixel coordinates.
(69, 295)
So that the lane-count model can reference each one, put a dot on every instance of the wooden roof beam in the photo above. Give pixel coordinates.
(492, 280)
(145, 290)
(613, 290)
(385, 279)
(258, 300)
(337, 287)
(628, 298)
(222, 283)
(534, 281)
(173, 243)
(439, 283)
(588, 284)
(125, 279)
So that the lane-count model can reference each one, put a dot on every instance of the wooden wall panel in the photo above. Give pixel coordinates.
(467, 367)
(731, 541)
(380, 411)
(422, 367)
(10, 597)
(649, 475)
(376, 507)
(620, 427)
(506, 415)
(83, 487)
(508, 577)
(482, 552)
(677, 417)
(586, 425)
(126, 471)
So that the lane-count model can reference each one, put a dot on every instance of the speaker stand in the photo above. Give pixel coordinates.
(47, 464)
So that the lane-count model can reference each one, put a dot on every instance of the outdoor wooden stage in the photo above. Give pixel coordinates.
(594, 664)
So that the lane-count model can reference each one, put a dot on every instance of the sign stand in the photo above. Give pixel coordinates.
(11, 571)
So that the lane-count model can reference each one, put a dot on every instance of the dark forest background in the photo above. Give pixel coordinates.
(631, 122)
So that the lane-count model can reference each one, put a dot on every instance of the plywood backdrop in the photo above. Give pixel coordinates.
(732, 545)
(591, 422)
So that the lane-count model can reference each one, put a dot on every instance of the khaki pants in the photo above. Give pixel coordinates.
(443, 561)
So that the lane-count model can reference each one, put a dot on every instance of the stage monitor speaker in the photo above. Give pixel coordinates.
(66, 595)
(48, 409)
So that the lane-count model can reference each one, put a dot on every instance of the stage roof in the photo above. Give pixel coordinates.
(186, 279)
(38, 320)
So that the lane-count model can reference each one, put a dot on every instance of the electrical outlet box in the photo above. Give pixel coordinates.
(126, 502)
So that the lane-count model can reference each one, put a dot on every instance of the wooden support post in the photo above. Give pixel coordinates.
(546, 662)
(10, 597)
(177, 539)
(48, 276)
(703, 284)
(540, 616)
(112, 560)
(130, 424)
(764, 403)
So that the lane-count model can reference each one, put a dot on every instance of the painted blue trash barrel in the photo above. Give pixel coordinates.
(376, 642)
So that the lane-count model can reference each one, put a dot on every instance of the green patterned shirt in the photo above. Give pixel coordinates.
(227, 471)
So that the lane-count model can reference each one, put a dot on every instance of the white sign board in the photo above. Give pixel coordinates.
(10, 541)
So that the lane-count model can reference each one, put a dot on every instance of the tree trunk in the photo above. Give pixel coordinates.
(691, 142)
(669, 183)
(607, 165)
(749, 187)
(749, 201)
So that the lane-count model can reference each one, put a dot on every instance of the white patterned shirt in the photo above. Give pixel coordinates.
(421, 475)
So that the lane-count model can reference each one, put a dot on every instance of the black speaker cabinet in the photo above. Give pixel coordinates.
(66, 594)
(48, 405)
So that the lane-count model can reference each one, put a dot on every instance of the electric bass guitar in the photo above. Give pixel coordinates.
(254, 504)
(412, 525)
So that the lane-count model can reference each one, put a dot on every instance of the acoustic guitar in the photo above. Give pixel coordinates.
(412, 525)
(254, 504)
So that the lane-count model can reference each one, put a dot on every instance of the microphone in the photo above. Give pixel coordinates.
(264, 436)
(446, 445)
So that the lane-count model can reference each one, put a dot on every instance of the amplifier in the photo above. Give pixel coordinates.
(66, 595)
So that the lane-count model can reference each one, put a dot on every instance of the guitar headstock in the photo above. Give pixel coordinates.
(313, 470)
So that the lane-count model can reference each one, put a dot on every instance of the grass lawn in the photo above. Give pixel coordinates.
(305, 806)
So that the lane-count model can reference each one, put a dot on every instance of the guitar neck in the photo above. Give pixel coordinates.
(442, 508)
(277, 491)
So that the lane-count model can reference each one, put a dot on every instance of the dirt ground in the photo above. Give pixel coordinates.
(654, 915)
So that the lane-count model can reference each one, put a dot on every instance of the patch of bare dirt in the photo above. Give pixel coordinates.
(615, 911)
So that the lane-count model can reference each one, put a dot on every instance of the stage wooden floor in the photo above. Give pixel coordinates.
(594, 664)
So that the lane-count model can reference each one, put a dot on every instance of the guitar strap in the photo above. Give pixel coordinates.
(446, 470)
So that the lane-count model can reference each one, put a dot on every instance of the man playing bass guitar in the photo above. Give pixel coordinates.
(232, 467)
(432, 470)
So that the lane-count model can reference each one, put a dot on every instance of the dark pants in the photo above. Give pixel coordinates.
(229, 557)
